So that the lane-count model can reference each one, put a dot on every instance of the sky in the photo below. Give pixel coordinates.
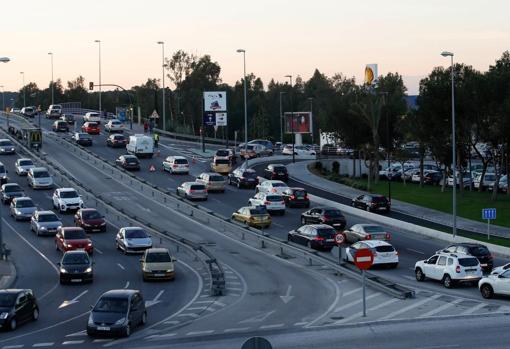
(281, 37)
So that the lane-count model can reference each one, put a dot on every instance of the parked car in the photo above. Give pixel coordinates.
(10, 191)
(192, 191)
(133, 240)
(39, 178)
(90, 220)
(65, 199)
(117, 312)
(481, 252)
(128, 162)
(271, 186)
(116, 141)
(6, 147)
(488, 180)
(22, 208)
(69, 118)
(16, 307)
(213, 181)
(256, 217)
(276, 171)
(45, 223)
(449, 268)
(384, 253)
(157, 264)
(23, 165)
(330, 149)
(114, 125)
(273, 202)
(495, 284)
(324, 215)
(363, 232)
(432, 177)
(176, 164)
(92, 128)
(296, 197)
(371, 203)
(60, 126)
(83, 139)
(316, 236)
(73, 238)
(76, 266)
(243, 178)
(466, 179)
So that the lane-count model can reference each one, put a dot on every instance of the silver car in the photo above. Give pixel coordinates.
(3, 174)
(45, 223)
(40, 178)
(22, 208)
(133, 240)
(213, 181)
(23, 166)
(192, 190)
(6, 147)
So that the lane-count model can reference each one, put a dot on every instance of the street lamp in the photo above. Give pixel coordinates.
(162, 43)
(3, 98)
(292, 119)
(311, 117)
(245, 103)
(281, 118)
(4, 59)
(52, 94)
(454, 159)
(99, 44)
(24, 89)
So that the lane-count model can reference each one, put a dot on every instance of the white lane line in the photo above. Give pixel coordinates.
(196, 333)
(351, 304)
(441, 308)
(202, 308)
(271, 326)
(102, 340)
(16, 346)
(98, 250)
(360, 314)
(445, 346)
(193, 315)
(473, 309)
(121, 266)
(40, 345)
(73, 342)
(77, 334)
(234, 288)
(234, 294)
(127, 284)
(410, 307)
(171, 322)
(204, 302)
(233, 282)
(352, 291)
(238, 329)
(301, 323)
(415, 251)
(160, 336)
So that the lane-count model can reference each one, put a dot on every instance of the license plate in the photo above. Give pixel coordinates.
(75, 280)
(159, 275)
(103, 328)
(330, 240)
(382, 208)
(280, 173)
(97, 229)
(484, 265)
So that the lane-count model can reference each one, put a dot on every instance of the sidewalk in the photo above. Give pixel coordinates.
(299, 172)
(7, 274)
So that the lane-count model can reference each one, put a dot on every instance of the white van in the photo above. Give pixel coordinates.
(54, 111)
(140, 145)
(92, 116)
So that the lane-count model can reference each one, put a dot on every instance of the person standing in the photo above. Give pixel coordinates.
(156, 139)
(145, 126)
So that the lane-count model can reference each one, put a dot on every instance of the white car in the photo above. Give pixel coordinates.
(466, 180)
(176, 164)
(65, 199)
(495, 283)
(384, 253)
(133, 239)
(449, 268)
(273, 202)
(488, 180)
(272, 186)
(114, 126)
(92, 117)
(501, 269)
(298, 150)
(39, 178)
(416, 176)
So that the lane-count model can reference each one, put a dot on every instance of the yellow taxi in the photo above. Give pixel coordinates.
(254, 216)
(223, 166)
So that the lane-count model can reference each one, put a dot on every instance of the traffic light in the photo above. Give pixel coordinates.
(91, 85)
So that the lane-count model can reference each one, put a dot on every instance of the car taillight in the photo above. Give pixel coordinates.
(396, 253)
(192, 190)
(241, 178)
(388, 236)
(457, 269)
(369, 237)
(273, 190)
(174, 166)
(292, 197)
(318, 238)
(306, 196)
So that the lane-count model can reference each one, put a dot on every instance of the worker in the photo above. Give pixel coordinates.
(156, 139)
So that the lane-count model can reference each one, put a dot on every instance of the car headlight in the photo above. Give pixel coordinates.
(86, 225)
(88, 270)
(59, 226)
(120, 321)
(17, 211)
(169, 270)
(104, 223)
(4, 315)
(43, 228)
(63, 270)
(91, 320)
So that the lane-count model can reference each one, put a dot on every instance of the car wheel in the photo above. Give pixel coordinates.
(303, 220)
(127, 330)
(13, 324)
(487, 291)
(144, 318)
(419, 274)
(447, 281)
(35, 314)
(394, 265)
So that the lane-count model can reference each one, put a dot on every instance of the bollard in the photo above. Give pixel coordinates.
(160, 240)
(310, 261)
(242, 236)
(262, 244)
(177, 249)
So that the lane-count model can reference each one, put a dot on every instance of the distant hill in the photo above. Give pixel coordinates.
(411, 102)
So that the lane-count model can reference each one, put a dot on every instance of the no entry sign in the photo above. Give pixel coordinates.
(339, 238)
(364, 258)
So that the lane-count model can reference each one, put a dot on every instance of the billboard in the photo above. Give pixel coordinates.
(298, 122)
(215, 101)
(371, 74)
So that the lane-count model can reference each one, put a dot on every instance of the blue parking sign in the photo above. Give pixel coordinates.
(489, 213)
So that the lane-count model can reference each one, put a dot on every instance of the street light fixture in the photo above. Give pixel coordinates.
(4, 59)
(163, 65)
(310, 99)
(454, 159)
(99, 44)
(245, 103)
(52, 94)
(292, 119)
(24, 89)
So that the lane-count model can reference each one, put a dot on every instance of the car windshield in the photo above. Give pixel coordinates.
(249, 174)
(119, 137)
(7, 299)
(50, 217)
(280, 169)
(468, 262)
(197, 187)
(380, 199)
(274, 198)
(75, 258)
(135, 234)
(131, 160)
(333, 213)
(222, 153)
(327, 233)
(91, 124)
(5, 143)
(181, 161)
(158, 257)
(83, 136)
(77, 234)
(24, 203)
(479, 251)
(68, 194)
(26, 163)
(12, 188)
(384, 248)
(258, 210)
(90, 215)
(216, 178)
(490, 177)
(279, 185)
(2, 169)
(41, 174)
(222, 162)
(299, 193)
(374, 229)
(111, 305)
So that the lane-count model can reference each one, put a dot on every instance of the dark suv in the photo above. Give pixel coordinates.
(17, 306)
(325, 215)
(372, 203)
(296, 197)
(481, 252)
(276, 171)
(246, 178)
(317, 236)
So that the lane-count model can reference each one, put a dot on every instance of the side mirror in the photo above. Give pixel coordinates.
(174, 259)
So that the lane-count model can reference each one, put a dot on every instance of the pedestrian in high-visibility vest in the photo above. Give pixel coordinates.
(156, 139)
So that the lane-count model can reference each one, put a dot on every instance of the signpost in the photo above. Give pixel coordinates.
(363, 259)
(340, 239)
(489, 214)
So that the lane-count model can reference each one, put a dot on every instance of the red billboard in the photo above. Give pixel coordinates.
(298, 122)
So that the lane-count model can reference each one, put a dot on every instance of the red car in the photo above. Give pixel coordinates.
(91, 128)
(90, 220)
(73, 238)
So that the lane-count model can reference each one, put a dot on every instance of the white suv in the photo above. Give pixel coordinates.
(273, 202)
(92, 116)
(449, 268)
(67, 199)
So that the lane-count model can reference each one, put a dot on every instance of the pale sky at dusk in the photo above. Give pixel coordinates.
(280, 37)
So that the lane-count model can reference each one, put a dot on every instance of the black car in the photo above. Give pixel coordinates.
(60, 126)
(116, 141)
(10, 191)
(317, 236)
(128, 162)
(433, 178)
(276, 171)
(76, 266)
(296, 197)
(117, 312)
(481, 252)
(17, 306)
(246, 178)
(324, 215)
(371, 203)
(82, 138)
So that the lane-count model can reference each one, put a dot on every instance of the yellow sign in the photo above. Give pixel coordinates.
(370, 74)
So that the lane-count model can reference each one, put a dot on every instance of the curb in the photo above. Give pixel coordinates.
(6, 281)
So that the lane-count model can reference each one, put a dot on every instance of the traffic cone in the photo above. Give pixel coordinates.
(152, 168)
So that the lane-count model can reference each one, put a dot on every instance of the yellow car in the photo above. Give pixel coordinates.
(254, 216)
(223, 166)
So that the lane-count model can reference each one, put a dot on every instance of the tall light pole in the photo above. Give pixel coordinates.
(292, 119)
(163, 65)
(2, 251)
(24, 89)
(3, 98)
(245, 102)
(52, 94)
(454, 157)
(281, 118)
(99, 44)
(310, 99)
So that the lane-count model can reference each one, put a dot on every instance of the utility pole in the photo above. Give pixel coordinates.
(292, 120)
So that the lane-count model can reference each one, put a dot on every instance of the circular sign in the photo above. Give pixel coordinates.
(339, 238)
(257, 343)
(363, 258)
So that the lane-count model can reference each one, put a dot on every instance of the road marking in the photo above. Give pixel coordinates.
(98, 250)
(193, 315)
(121, 266)
(352, 291)
(351, 304)
(278, 225)
(440, 346)
(40, 345)
(234, 294)
(301, 323)
(473, 309)
(360, 314)
(234, 282)
(16, 346)
(160, 336)
(102, 340)
(77, 334)
(258, 318)
(238, 329)
(155, 300)
(271, 326)
(171, 322)
(409, 307)
(195, 333)
(287, 297)
(72, 342)
(72, 301)
(127, 284)
(415, 251)
(441, 308)
(234, 288)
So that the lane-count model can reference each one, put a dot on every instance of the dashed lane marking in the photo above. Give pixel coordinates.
(41, 345)
(17, 346)
(300, 323)
(473, 309)
(352, 291)
(441, 308)
(234, 288)
(171, 322)
(161, 336)
(193, 315)
(77, 334)
(411, 306)
(238, 329)
(196, 333)
(121, 266)
(202, 308)
(265, 327)
(102, 340)
(72, 342)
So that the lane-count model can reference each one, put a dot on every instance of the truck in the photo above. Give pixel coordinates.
(140, 145)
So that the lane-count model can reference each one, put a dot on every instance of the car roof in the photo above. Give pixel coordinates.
(158, 250)
(177, 157)
(132, 228)
(67, 229)
(275, 181)
(468, 244)
(375, 243)
(298, 188)
(364, 225)
(122, 293)
(44, 212)
(75, 252)
(88, 209)
(38, 169)
(319, 226)
(22, 198)
(129, 156)
(276, 165)
(10, 185)
(22, 159)
(66, 189)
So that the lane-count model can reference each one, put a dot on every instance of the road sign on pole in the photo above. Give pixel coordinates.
(363, 259)
(489, 214)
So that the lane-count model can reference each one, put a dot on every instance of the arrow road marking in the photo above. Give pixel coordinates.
(287, 298)
(155, 300)
(72, 301)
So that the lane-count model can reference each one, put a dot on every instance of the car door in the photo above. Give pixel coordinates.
(358, 202)
(502, 283)
(22, 307)
(352, 251)
(439, 268)
(314, 215)
(429, 267)
(136, 309)
(300, 235)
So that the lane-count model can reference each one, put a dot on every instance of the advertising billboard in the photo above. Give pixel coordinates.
(215, 101)
(371, 74)
(298, 122)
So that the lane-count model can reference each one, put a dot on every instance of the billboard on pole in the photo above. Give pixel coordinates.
(298, 122)
(371, 74)
(215, 101)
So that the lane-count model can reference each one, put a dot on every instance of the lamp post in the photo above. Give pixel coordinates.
(311, 117)
(100, 107)
(292, 119)
(163, 65)
(24, 89)
(454, 158)
(2, 250)
(52, 94)
(3, 98)
(281, 118)
(245, 102)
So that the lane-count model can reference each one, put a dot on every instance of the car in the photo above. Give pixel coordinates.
(324, 215)
(273, 202)
(45, 223)
(316, 236)
(90, 220)
(268, 145)
(497, 283)
(82, 138)
(415, 178)
(60, 126)
(65, 199)
(69, 118)
(276, 171)
(54, 111)
(501, 268)
(213, 181)
(363, 232)
(176, 164)
(225, 154)
(128, 162)
(16, 307)
(39, 178)
(272, 186)
(221, 166)
(466, 179)
(6, 147)
(15, 110)
(253, 151)
(298, 150)
(192, 191)
(73, 238)
(117, 312)
(503, 184)
(22, 208)
(3, 174)
(243, 178)
(114, 125)
(92, 128)
(23, 165)
(28, 112)
(330, 149)
(481, 252)
(76, 266)
(488, 180)
(132, 240)
(116, 141)
(296, 197)
(10, 191)
(384, 253)
(254, 216)
(371, 203)
(92, 116)
(449, 268)
(157, 264)
(432, 177)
